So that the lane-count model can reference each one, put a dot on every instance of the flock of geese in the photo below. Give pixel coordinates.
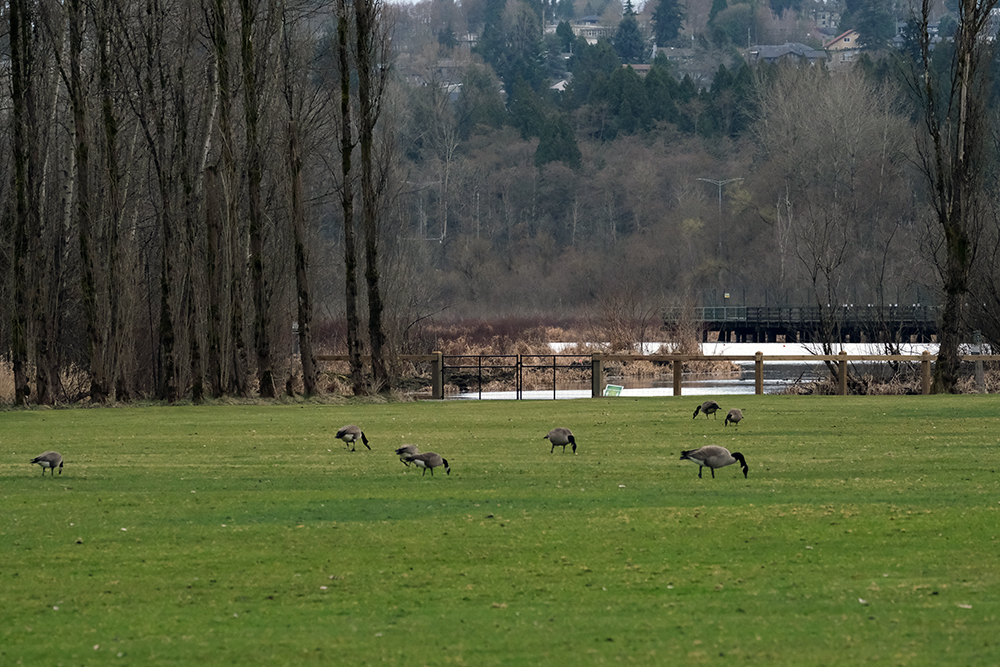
(714, 456)
(408, 454)
(709, 456)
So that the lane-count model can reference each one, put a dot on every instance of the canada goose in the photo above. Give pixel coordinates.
(429, 461)
(735, 415)
(50, 460)
(350, 435)
(405, 451)
(560, 437)
(708, 407)
(714, 457)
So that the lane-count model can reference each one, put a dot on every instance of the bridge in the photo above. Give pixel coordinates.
(804, 324)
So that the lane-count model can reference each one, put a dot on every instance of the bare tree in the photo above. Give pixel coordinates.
(841, 181)
(303, 290)
(952, 158)
(251, 113)
(374, 52)
(24, 108)
(347, 197)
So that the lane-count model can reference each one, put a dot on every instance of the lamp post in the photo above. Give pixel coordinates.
(720, 184)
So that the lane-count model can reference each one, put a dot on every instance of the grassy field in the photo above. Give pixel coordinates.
(866, 533)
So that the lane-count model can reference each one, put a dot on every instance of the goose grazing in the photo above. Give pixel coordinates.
(709, 408)
(714, 457)
(429, 461)
(51, 460)
(405, 451)
(735, 415)
(560, 437)
(350, 434)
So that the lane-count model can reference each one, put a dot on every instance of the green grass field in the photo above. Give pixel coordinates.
(866, 533)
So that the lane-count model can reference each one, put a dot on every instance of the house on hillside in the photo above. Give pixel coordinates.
(843, 48)
(826, 20)
(590, 28)
(791, 51)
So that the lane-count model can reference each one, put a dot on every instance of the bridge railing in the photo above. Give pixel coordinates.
(797, 315)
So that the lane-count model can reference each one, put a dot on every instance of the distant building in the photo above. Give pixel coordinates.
(791, 51)
(826, 20)
(843, 48)
(590, 28)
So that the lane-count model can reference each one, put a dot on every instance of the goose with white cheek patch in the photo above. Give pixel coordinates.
(560, 437)
(350, 434)
(712, 457)
(709, 408)
(50, 460)
(429, 461)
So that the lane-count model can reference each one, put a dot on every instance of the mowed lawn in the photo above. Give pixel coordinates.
(866, 533)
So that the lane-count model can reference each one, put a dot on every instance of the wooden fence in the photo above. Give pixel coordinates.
(677, 362)
(598, 363)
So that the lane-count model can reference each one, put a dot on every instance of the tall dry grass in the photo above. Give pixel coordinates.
(6, 383)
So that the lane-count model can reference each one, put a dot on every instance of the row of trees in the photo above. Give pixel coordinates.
(180, 192)
(161, 188)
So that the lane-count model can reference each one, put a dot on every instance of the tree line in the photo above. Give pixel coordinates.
(826, 180)
(169, 164)
(200, 193)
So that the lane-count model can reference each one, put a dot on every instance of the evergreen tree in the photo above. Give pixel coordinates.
(628, 42)
(875, 24)
(564, 31)
(591, 68)
(780, 6)
(447, 39)
(479, 103)
(660, 92)
(564, 10)
(558, 143)
(717, 6)
(668, 19)
(528, 109)
(632, 112)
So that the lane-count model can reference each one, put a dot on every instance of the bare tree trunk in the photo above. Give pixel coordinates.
(347, 201)
(99, 389)
(220, 205)
(261, 302)
(106, 372)
(22, 72)
(372, 52)
(213, 223)
(231, 373)
(304, 297)
(952, 160)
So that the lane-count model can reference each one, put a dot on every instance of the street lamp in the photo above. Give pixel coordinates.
(720, 184)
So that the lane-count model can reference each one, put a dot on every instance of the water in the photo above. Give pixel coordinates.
(778, 375)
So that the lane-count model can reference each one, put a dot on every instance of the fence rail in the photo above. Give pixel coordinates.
(798, 315)
(598, 362)
(761, 324)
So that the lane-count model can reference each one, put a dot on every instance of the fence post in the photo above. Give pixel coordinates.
(977, 348)
(596, 376)
(758, 373)
(925, 373)
(843, 373)
(437, 376)
(678, 373)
